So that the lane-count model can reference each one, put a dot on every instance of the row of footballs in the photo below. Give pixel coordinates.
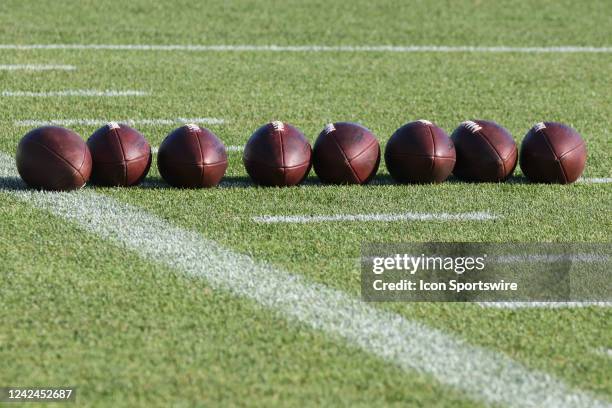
(278, 154)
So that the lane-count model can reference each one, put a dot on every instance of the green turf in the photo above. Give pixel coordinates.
(126, 332)
(465, 22)
(78, 309)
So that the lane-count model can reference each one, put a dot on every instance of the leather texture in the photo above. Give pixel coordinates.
(192, 157)
(485, 155)
(348, 154)
(277, 154)
(553, 153)
(121, 156)
(420, 153)
(53, 158)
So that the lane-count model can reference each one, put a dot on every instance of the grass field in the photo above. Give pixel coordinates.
(128, 328)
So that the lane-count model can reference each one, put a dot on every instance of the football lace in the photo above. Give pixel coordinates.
(539, 126)
(278, 125)
(329, 128)
(471, 126)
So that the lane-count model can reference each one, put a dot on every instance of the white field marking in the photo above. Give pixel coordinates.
(480, 373)
(543, 305)
(302, 219)
(584, 257)
(310, 48)
(95, 122)
(36, 67)
(605, 351)
(596, 180)
(73, 92)
(155, 149)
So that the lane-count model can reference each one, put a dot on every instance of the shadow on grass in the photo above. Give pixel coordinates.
(12, 184)
(386, 179)
(226, 182)
(156, 182)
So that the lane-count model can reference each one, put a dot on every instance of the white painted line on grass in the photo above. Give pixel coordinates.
(480, 373)
(596, 180)
(96, 122)
(73, 92)
(310, 48)
(303, 219)
(36, 67)
(154, 149)
(543, 305)
(606, 351)
(551, 258)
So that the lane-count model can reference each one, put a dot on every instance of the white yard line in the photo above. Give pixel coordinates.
(596, 180)
(543, 305)
(303, 219)
(97, 122)
(310, 48)
(551, 258)
(36, 67)
(73, 92)
(480, 373)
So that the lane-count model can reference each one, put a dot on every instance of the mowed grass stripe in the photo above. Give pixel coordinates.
(310, 48)
(480, 373)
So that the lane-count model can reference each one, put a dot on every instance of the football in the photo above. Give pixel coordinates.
(346, 153)
(420, 152)
(192, 157)
(277, 154)
(486, 152)
(53, 158)
(121, 156)
(553, 153)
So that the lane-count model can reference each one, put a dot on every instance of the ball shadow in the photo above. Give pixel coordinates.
(12, 184)
(157, 182)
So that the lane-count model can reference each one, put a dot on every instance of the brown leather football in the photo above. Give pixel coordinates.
(277, 154)
(553, 153)
(346, 153)
(420, 152)
(53, 158)
(192, 157)
(121, 156)
(486, 152)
